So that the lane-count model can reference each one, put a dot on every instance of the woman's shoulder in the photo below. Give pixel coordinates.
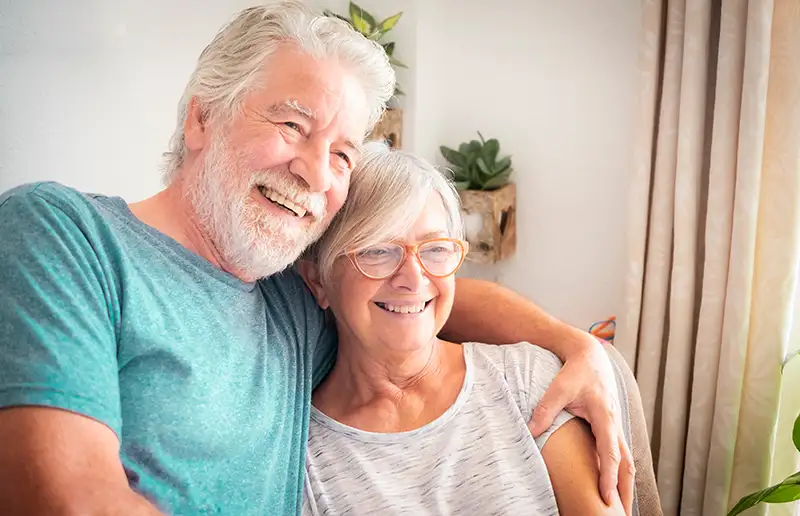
(526, 369)
(522, 358)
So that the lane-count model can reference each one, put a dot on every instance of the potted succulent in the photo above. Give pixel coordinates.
(488, 199)
(390, 127)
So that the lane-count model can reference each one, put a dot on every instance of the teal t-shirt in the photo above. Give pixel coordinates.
(205, 379)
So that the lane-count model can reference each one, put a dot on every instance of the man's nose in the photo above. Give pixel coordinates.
(313, 166)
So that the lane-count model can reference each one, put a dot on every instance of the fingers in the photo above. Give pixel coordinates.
(606, 435)
(627, 476)
(555, 398)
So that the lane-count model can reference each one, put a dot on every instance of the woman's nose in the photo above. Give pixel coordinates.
(411, 276)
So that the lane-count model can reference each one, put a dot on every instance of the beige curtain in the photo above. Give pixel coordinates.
(714, 243)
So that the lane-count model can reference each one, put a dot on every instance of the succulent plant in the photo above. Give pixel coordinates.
(475, 165)
(366, 24)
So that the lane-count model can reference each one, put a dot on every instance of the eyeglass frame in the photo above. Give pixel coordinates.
(412, 249)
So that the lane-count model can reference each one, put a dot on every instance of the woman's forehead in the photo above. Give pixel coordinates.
(432, 219)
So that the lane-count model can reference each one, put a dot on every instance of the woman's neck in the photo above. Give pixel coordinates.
(391, 391)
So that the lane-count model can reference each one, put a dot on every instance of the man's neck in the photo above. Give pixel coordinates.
(169, 212)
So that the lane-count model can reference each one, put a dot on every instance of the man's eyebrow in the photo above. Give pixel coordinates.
(355, 146)
(292, 106)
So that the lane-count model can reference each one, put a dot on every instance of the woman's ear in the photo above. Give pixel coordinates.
(308, 271)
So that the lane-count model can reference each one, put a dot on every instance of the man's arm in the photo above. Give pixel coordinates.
(58, 348)
(480, 305)
(586, 386)
(570, 457)
(58, 463)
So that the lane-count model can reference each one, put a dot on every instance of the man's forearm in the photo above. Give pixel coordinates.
(120, 503)
(134, 504)
(486, 312)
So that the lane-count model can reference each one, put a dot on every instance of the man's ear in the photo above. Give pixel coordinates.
(195, 126)
(308, 271)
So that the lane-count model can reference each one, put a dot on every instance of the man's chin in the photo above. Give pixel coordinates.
(270, 250)
(269, 261)
(259, 270)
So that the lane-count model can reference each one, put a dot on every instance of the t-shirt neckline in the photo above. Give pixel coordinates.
(321, 418)
(173, 245)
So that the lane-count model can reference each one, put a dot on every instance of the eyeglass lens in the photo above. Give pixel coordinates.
(439, 257)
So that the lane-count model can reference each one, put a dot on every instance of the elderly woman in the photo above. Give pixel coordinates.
(426, 426)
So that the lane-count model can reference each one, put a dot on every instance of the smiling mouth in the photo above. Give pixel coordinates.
(414, 309)
(282, 202)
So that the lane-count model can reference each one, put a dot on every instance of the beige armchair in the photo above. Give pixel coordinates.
(646, 491)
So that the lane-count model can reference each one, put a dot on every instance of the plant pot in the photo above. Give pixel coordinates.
(389, 128)
(490, 222)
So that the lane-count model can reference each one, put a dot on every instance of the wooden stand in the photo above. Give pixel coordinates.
(490, 220)
(390, 128)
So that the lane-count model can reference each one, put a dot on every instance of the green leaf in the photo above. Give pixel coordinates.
(395, 62)
(502, 164)
(389, 23)
(388, 48)
(483, 168)
(786, 491)
(786, 362)
(463, 149)
(460, 174)
(454, 157)
(490, 150)
(796, 433)
(362, 20)
(497, 181)
(344, 19)
(462, 185)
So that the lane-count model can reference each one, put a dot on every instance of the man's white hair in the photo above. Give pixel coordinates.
(234, 63)
(389, 189)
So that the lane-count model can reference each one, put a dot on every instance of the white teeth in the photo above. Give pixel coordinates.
(283, 201)
(405, 309)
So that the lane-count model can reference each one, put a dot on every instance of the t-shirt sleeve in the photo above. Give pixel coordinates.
(320, 328)
(325, 353)
(57, 336)
(534, 368)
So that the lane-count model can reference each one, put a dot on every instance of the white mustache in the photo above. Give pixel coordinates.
(293, 188)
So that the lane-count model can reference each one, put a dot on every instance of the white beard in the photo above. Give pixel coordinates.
(252, 242)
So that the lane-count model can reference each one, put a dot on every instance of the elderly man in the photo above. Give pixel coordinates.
(154, 358)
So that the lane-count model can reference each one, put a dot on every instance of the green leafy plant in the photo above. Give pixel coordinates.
(475, 165)
(783, 492)
(366, 24)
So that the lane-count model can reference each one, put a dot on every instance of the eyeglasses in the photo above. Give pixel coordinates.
(439, 257)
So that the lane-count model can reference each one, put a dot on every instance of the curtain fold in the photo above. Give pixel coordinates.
(714, 242)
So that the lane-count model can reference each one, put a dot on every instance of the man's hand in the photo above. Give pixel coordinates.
(586, 387)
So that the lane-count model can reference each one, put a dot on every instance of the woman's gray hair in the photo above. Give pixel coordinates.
(233, 63)
(388, 191)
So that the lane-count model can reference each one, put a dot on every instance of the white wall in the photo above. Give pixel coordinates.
(89, 88)
(89, 91)
(555, 83)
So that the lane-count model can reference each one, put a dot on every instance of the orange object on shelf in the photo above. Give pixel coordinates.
(605, 329)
